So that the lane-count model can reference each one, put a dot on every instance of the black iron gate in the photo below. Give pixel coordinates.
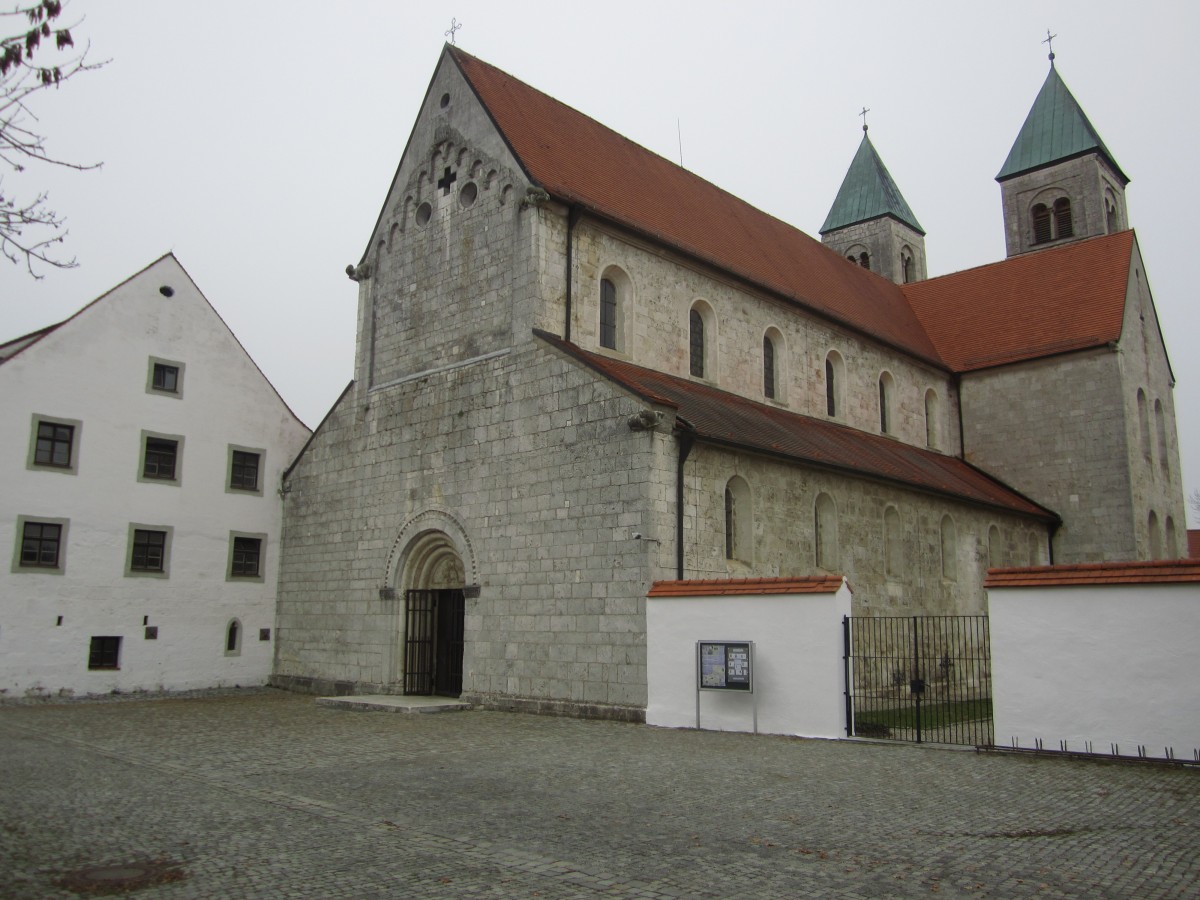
(919, 678)
(433, 642)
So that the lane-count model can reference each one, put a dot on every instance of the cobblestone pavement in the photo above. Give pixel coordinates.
(265, 794)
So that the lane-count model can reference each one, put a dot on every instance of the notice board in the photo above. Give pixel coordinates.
(725, 665)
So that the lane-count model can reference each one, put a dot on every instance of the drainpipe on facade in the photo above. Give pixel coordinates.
(686, 434)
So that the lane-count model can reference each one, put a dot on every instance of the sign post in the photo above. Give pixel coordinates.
(725, 666)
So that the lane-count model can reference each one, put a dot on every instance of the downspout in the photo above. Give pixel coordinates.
(572, 220)
(687, 439)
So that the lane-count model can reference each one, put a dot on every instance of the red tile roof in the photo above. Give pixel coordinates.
(580, 161)
(1033, 305)
(719, 417)
(727, 587)
(1176, 571)
(1194, 543)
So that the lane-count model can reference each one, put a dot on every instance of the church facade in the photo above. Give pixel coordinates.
(580, 369)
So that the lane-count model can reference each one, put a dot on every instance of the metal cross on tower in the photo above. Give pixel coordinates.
(864, 117)
(1049, 43)
(455, 25)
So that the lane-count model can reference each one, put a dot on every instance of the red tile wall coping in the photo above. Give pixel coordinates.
(726, 587)
(1165, 571)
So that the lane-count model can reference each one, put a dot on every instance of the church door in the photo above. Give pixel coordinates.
(433, 644)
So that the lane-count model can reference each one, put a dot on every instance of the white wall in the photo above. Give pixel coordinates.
(798, 668)
(1109, 665)
(93, 370)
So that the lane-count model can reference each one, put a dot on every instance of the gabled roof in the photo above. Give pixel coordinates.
(1160, 571)
(744, 587)
(1033, 305)
(868, 192)
(1056, 129)
(581, 162)
(718, 417)
(11, 348)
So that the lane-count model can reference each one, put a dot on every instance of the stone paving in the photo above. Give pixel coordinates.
(267, 794)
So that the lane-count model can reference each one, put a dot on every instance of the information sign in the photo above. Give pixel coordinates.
(725, 666)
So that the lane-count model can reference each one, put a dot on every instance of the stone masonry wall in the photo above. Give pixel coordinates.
(1083, 180)
(660, 292)
(883, 239)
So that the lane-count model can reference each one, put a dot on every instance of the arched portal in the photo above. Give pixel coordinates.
(429, 567)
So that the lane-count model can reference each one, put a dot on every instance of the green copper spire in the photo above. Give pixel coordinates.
(868, 192)
(1055, 130)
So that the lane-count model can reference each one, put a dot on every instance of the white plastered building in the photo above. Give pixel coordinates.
(140, 464)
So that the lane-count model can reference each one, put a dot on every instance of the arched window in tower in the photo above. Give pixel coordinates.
(1155, 537)
(864, 260)
(1160, 425)
(768, 367)
(949, 549)
(825, 521)
(738, 520)
(885, 403)
(1112, 219)
(932, 411)
(1143, 424)
(696, 343)
(608, 314)
(833, 384)
(1042, 229)
(893, 549)
(1063, 227)
(1170, 548)
(907, 267)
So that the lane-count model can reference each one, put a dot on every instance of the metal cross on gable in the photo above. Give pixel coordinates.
(455, 25)
(448, 178)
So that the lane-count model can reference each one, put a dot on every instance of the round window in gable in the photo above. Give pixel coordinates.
(445, 101)
(424, 211)
(468, 195)
(167, 291)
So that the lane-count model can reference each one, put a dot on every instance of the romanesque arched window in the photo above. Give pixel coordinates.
(701, 340)
(886, 389)
(1155, 536)
(1042, 228)
(233, 638)
(949, 549)
(1063, 226)
(1170, 548)
(739, 520)
(608, 314)
(1160, 426)
(908, 269)
(1143, 424)
(768, 367)
(826, 527)
(834, 370)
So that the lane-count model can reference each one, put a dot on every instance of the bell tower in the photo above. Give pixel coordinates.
(1059, 183)
(871, 224)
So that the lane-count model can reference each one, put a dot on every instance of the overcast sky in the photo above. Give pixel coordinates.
(257, 140)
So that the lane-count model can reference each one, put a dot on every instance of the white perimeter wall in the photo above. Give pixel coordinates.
(798, 668)
(1110, 665)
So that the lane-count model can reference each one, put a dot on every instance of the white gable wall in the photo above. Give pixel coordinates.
(94, 371)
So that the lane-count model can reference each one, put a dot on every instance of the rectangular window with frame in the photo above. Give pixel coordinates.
(54, 443)
(104, 653)
(41, 543)
(165, 378)
(161, 459)
(246, 558)
(149, 550)
(243, 471)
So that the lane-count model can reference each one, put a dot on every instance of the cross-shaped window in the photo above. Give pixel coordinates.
(448, 178)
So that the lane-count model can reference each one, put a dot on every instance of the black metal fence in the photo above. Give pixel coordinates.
(919, 678)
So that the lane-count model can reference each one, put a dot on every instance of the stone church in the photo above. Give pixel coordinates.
(582, 369)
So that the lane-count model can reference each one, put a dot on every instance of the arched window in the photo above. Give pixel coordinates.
(1042, 229)
(696, 343)
(738, 520)
(893, 549)
(1170, 548)
(768, 368)
(616, 293)
(995, 550)
(1143, 423)
(886, 389)
(608, 314)
(833, 383)
(1063, 227)
(864, 260)
(1160, 425)
(949, 549)
(907, 268)
(1155, 536)
(825, 520)
(1112, 219)
(932, 413)
(233, 638)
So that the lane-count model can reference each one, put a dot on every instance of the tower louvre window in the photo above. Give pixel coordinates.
(1062, 218)
(1041, 224)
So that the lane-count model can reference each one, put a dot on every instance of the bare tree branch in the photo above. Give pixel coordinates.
(37, 57)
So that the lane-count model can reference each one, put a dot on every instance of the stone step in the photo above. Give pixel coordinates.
(394, 703)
